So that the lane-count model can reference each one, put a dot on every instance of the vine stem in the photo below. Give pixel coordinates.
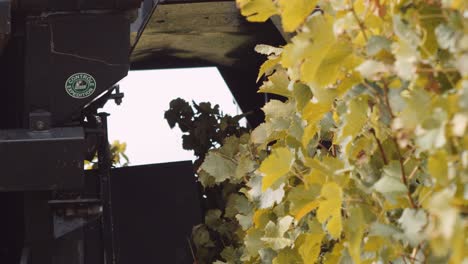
(192, 251)
(404, 178)
(361, 25)
(415, 252)
(387, 101)
(431, 70)
(379, 144)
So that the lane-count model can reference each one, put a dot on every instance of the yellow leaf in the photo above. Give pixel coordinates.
(374, 244)
(310, 247)
(277, 83)
(309, 133)
(267, 66)
(334, 256)
(306, 209)
(257, 10)
(355, 118)
(314, 112)
(330, 208)
(325, 70)
(295, 12)
(277, 164)
(309, 44)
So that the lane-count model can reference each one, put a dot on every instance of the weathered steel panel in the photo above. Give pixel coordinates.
(45, 160)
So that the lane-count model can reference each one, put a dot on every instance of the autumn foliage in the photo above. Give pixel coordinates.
(366, 159)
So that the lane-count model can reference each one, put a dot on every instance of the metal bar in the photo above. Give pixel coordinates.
(104, 167)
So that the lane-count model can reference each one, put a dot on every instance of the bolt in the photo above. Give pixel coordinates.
(40, 125)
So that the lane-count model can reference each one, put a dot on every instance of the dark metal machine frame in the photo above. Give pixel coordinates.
(60, 61)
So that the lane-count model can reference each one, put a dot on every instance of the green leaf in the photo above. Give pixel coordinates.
(413, 221)
(390, 184)
(253, 243)
(287, 255)
(218, 166)
(271, 197)
(201, 237)
(404, 31)
(354, 231)
(377, 44)
(260, 134)
(302, 94)
(213, 218)
(437, 166)
(237, 203)
(267, 255)
(446, 37)
(245, 221)
(413, 113)
(206, 179)
(276, 165)
(245, 166)
(431, 132)
(355, 118)
(371, 69)
(278, 109)
(303, 200)
(231, 254)
(274, 233)
(407, 57)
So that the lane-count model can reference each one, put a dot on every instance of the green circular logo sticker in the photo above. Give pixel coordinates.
(80, 85)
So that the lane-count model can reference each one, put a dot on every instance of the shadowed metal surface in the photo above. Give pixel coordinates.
(181, 35)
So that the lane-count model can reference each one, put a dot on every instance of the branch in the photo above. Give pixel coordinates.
(404, 179)
(382, 152)
(361, 25)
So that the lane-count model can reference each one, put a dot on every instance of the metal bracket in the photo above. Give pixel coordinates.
(39, 120)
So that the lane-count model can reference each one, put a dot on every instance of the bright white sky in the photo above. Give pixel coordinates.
(139, 120)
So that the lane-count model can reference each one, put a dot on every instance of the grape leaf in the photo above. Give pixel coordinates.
(412, 221)
(354, 230)
(257, 10)
(287, 255)
(218, 166)
(354, 119)
(371, 69)
(269, 197)
(377, 44)
(277, 83)
(276, 165)
(295, 12)
(310, 243)
(437, 166)
(303, 200)
(274, 233)
(330, 208)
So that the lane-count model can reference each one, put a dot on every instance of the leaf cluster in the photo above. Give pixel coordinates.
(386, 83)
(203, 125)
